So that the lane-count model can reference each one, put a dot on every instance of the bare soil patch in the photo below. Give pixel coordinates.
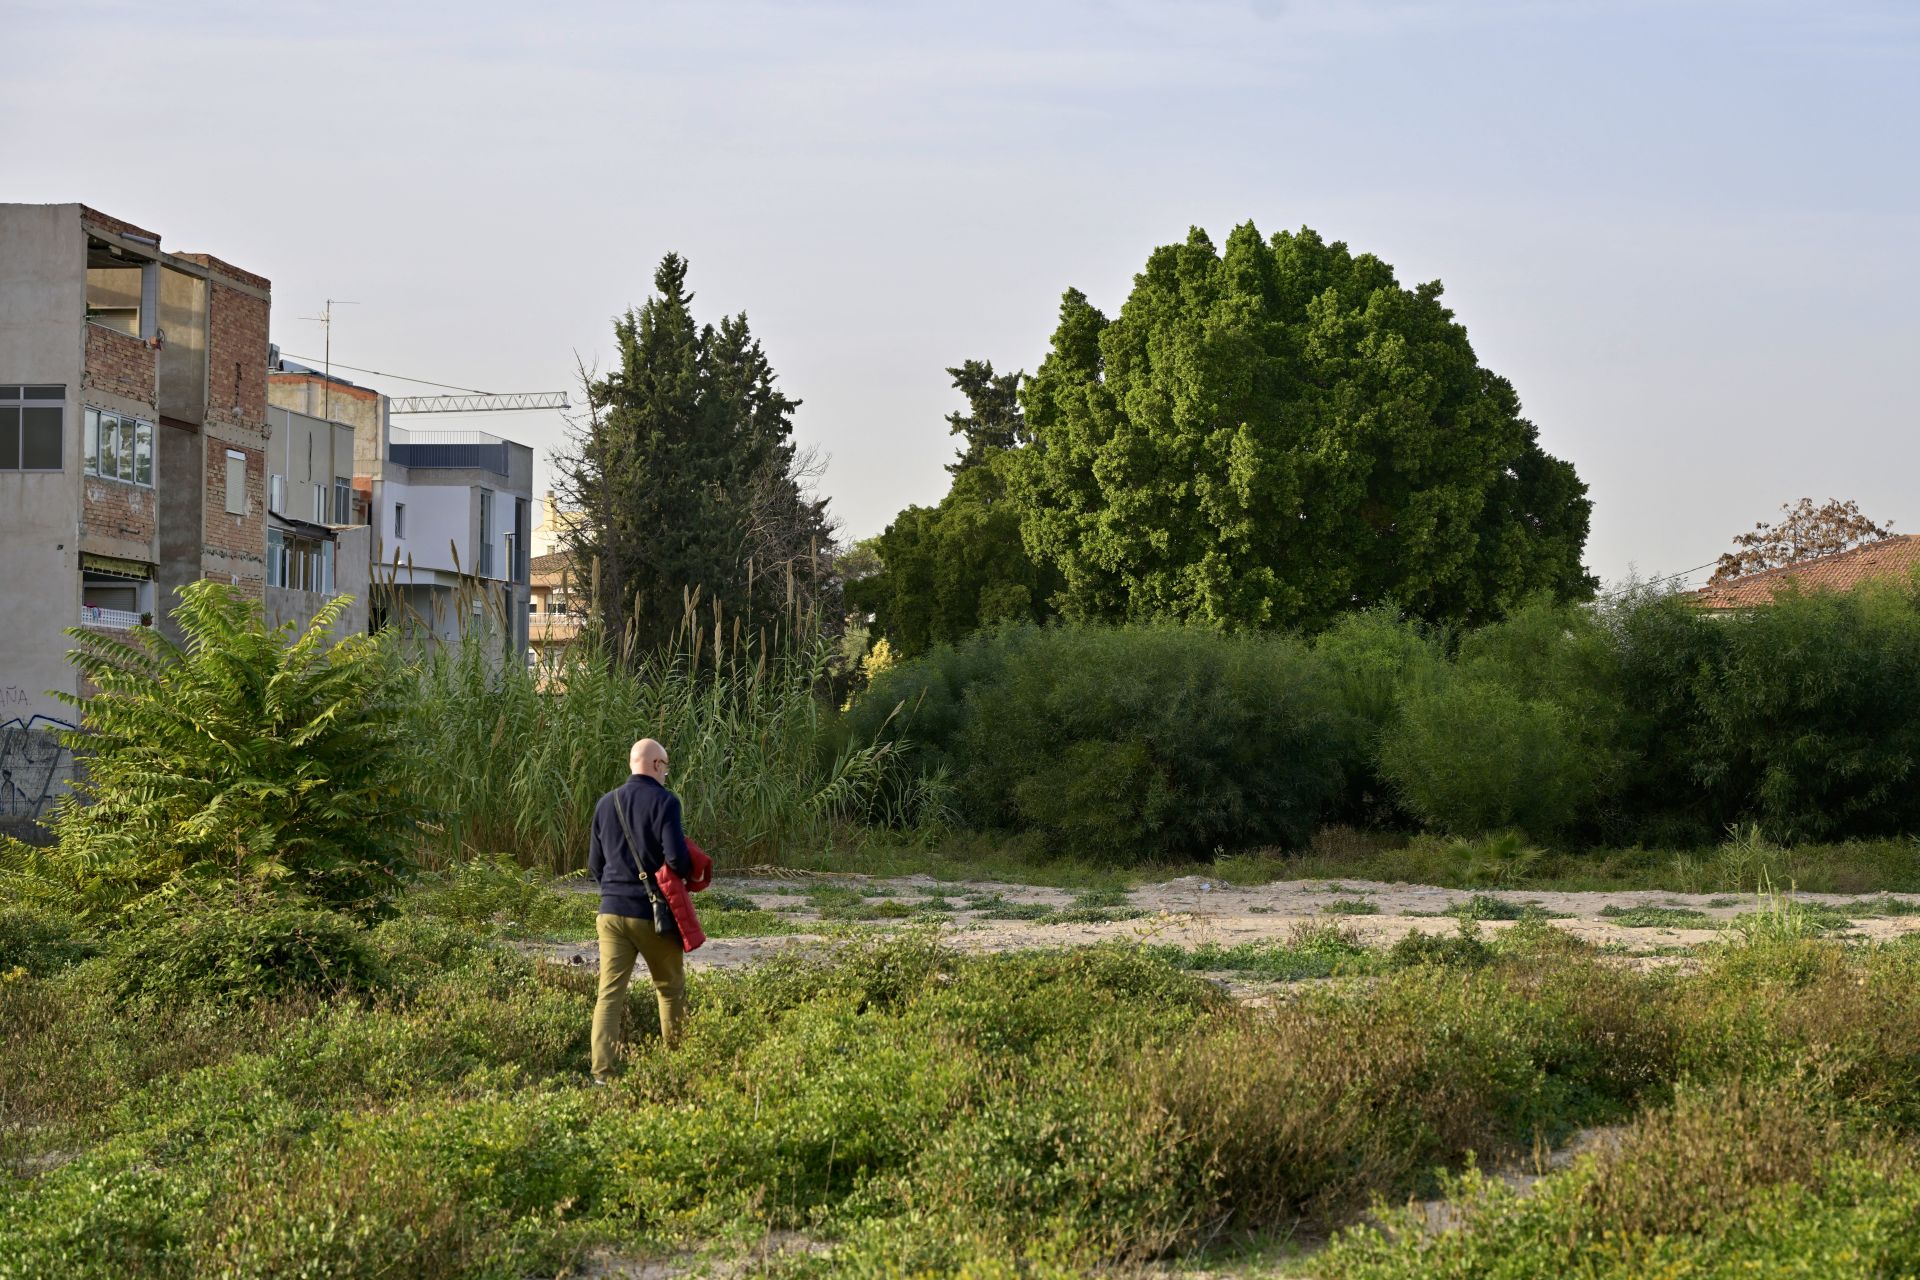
(1192, 911)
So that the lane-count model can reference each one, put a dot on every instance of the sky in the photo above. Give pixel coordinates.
(1685, 231)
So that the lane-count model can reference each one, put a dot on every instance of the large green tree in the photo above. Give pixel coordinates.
(1279, 432)
(688, 479)
(948, 570)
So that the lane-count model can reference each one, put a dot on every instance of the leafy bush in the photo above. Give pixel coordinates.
(1803, 716)
(1371, 660)
(500, 895)
(1814, 718)
(38, 941)
(243, 761)
(1474, 756)
(1520, 732)
(1132, 744)
(1462, 949)
(234, 956)
(1729, 1180)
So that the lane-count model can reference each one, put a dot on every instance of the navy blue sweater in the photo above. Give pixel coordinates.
(623, 873)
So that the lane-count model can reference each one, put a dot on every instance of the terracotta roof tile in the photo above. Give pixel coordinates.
(1889, 559)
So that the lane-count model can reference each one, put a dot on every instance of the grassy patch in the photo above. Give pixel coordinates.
(1742, 864)
(920, 1110)
(1657, 917)
(1883, 906)
(1312, 951)
(994, 906)
(1783, 917)
(1350, 907)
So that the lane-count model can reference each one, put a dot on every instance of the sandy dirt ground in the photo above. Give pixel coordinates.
(1192, 911)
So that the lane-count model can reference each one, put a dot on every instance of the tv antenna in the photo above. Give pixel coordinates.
(325, 318)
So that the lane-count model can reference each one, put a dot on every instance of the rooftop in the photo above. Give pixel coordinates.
(1889, 559)
(451, 450)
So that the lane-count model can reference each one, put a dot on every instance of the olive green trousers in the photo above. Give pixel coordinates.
(622, 938)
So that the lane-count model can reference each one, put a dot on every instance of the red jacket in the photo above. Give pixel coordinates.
(679, 895)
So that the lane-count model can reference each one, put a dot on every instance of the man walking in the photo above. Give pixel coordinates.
(636, 830)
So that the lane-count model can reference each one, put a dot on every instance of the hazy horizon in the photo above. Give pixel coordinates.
(1683, 231)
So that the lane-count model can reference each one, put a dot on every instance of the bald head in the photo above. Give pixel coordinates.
(650, 758)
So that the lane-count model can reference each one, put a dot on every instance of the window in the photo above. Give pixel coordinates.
(486, 533)
(30, 428)
(301, 564)
(236, 483)
(277, 495)
(399, 520)
(118, 447)
(319, 504)
(517, 554)
(342, 500)
(122, 289)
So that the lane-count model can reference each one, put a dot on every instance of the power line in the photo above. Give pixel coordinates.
(379, 373)
(1684, 573)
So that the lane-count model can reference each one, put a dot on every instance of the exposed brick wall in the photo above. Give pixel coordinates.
(115, 509)
(235, 546)
(237, 358)
(122, 365)
(95, 218)
(228, 270)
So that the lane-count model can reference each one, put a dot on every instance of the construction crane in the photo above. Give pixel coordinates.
(479, 402)
(469, 401)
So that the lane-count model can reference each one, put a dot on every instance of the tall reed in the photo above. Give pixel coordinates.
(513, 759)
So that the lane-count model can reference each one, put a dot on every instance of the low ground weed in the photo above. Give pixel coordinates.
(1035, 1113)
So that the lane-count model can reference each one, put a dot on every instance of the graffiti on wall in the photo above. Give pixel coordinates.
(35, 766)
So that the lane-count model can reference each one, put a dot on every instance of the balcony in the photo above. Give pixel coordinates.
(447, 450)
(92, 615)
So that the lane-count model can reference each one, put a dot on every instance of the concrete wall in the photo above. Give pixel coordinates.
(440, 521)
(306, 451)
(183, 357)
(358, 407)
(285, 604)
(181, 495)
(42, 303)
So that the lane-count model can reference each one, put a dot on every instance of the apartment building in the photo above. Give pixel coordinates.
(319, 543)
(449, 510)
(133, 441)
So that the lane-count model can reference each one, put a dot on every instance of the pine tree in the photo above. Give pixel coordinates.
(689, 481)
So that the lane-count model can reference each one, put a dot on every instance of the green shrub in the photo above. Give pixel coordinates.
(1472, 756)
(1803, 715)
(1131, 744)
(243, 760)
(233, 956)
(1815, 717)
(1523, 731)
(1462, 949)
(38, 941)
(499, 895)
(1371, 660)
(1729, 1180)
